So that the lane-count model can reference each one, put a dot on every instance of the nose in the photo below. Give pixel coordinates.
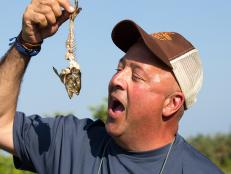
(118, 81)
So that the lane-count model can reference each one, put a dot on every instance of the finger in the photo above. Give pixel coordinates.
(65, 16)
(56, 8)
(39, 19)
(53, 4)
(30, 17)
(66, 5)
(47, 12)
(50, 18)
(49, 31)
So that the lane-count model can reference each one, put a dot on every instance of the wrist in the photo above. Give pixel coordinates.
(26, 44)
(26, 48)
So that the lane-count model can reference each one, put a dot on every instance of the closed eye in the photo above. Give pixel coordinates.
(137, 77)
(118, 69)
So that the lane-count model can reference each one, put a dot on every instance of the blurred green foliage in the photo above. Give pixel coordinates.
(100, 111)
(7, 166)
(216, 147)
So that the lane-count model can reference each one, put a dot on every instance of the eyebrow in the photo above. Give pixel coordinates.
(133, 65)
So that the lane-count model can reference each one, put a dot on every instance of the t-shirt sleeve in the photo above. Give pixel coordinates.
(37, 139)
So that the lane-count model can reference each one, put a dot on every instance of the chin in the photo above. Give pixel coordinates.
(112, 129)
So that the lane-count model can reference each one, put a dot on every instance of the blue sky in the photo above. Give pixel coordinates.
(205, 23)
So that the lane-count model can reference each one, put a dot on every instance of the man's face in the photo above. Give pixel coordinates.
(137, 92)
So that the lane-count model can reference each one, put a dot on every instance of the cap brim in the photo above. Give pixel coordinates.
(127, 32)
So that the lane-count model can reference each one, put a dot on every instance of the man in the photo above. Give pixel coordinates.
(157, 79)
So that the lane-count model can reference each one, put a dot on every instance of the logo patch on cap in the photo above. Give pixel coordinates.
(163, 35)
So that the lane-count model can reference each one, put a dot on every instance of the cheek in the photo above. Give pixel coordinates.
(138, 99)
(137, 93)
(156, 79)
(145, 101)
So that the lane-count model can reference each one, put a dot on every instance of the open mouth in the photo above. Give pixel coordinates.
(116, 105)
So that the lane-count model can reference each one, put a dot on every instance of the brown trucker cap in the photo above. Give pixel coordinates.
(169, 47)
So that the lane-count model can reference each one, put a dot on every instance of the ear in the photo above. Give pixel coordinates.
(173, 103)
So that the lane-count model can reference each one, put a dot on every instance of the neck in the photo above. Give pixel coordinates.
(141, 143)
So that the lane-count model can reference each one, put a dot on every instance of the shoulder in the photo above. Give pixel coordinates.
(84, 124)
(61, 120)
(195, 162)
(69, 124)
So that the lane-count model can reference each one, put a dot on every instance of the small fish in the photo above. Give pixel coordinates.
(71, 76)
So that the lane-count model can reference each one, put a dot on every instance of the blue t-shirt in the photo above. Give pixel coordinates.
(68, 145)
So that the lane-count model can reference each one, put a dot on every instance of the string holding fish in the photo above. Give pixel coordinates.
(71, 76)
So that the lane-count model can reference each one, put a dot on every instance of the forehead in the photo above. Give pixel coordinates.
(139, 53)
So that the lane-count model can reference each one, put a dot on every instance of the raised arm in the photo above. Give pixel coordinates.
(41, 19)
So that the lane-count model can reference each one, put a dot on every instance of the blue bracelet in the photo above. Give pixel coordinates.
(22, 49)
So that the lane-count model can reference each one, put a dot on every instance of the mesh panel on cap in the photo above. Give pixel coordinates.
(189, 74)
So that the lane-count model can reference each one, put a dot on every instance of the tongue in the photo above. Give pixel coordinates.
(118, 107)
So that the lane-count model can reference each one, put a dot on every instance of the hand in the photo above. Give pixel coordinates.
(42, 18)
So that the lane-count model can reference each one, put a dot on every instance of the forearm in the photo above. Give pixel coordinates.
(41, 19)
(12, 67)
